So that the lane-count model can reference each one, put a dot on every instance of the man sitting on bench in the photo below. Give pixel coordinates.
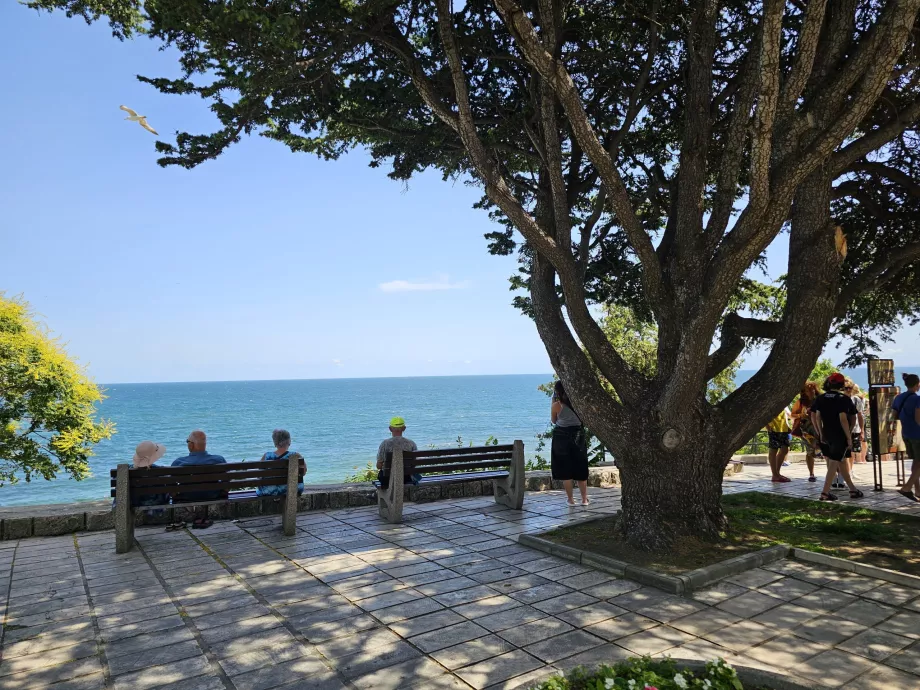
(197, 443)
(397, 440)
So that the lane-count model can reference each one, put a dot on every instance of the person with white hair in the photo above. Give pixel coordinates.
(282, 440)
(198, 454)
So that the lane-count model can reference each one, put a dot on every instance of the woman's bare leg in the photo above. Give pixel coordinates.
(583, 488)
(832, 468)
(567, 485)
(810, 461)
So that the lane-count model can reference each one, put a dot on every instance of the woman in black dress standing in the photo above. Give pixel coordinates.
(570, 449)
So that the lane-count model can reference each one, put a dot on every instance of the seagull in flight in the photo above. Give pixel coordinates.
(139, 119)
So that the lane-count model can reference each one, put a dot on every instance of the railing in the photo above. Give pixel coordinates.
(760, 444)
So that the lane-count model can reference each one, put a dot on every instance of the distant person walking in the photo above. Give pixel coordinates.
(396, 440)
(803, 427)
(907, 405)
(835, 416)
(569, 452)
(282, 440)
(778, 430)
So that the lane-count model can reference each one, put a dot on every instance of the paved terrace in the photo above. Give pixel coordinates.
(446, 600)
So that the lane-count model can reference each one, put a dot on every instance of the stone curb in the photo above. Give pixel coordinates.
(684, 583)
(892, 576)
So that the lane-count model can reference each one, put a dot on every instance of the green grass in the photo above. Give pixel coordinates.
(758, 520)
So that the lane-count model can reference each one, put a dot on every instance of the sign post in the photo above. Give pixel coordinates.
(884, 430)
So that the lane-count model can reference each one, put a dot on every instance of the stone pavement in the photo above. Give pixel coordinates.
(446, 600)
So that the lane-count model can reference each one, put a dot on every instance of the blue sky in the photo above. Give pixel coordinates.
(262, 264)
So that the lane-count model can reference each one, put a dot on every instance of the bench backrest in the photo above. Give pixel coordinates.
(445, 460)
(231, 476)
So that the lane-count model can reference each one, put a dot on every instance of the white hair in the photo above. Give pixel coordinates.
(281, 438)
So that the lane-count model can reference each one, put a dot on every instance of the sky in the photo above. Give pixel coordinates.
(262, 264)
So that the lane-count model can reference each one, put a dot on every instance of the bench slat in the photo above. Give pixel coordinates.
(470, 459)
(457, 451)
(205, 477)
(203, 469)
(440, 479)
(459, 466)
(214, 486)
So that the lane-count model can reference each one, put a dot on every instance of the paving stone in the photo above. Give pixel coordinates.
(874, 644)
(364, 641)
(592, 578)
(834, 668)
(498, 669)
(892, 594)
(612, 588)
(317, 633)
(464, 596)
(447, 637)
(18, 642)
(485, 607)
(245, 628)
(401, 675)
(787, 616)
(472, 651)
(621, 626)
(540, 593)
(197, 683)
(154, 657)
(242, 645)
(903, 623)
(593, 613)
(853, 583)
(535, 631)
(266, 656)
(829, 630)
(369, 661)
(509, 618)
(704, 621)
(426, 623)
(788, 588)
(565, 645)
(753, 579)
(42, 660)
(654, 640)
(907, 659)
(717, 593)
(672, 608)
(825, 600)
(565, 602)
(155, 676)
(741, 636)
(750, 604)
(139, 644)
(303, 670)
(882, 678)
(525, 681)
(786, 652)
(136, 616)
(864, 612)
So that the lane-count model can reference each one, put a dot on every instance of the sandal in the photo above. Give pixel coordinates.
(910, 495)
(828, 497)
(812, 478)
(857, 494)
(202, 524)
(175, 526)
(586, 502)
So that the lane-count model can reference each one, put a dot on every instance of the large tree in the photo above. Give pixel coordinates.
(635, 153)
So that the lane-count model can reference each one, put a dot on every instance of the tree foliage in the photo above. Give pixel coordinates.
(47, 404)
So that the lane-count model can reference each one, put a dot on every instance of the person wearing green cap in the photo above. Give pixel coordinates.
(396, 440)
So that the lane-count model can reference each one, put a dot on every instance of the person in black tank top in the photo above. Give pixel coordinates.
(569, 453)
(835, 416)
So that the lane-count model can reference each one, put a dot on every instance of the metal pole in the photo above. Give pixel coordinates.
(873, 415)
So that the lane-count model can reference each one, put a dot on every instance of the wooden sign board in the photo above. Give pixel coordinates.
(881, 372)
(889, 428)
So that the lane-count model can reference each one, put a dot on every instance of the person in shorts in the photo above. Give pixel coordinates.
(835, 416)
(907, 405)
(778, 443)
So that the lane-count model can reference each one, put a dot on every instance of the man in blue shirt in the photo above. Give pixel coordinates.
(197, 443)
(907, 405)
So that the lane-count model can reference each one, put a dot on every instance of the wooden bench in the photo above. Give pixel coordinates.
(503, 465)
(237, 478)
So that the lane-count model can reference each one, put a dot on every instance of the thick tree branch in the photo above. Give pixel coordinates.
(806, 49)
(881, 271)
(910, 185)
(735, 329)
(874, 140)
(558, 77)
(767, 100)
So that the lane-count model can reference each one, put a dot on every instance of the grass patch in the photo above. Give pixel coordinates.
(758, 520)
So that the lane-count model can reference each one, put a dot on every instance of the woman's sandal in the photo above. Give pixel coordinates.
(909, 494)
(175, 526)
(828, 497)
(857, 494)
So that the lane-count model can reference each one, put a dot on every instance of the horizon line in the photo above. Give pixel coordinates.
(327, 378)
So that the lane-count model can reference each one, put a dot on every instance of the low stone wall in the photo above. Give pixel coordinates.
(763, 458)
(65, 518)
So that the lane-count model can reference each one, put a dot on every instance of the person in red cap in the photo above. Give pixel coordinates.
(835, 417)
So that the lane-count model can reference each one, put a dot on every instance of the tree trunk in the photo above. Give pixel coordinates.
(671, 492)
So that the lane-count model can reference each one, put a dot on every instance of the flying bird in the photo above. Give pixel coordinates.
(139, 119)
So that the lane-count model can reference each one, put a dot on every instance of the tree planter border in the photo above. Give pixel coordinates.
(686, 583)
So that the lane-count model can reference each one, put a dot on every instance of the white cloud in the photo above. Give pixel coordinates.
(338, 362)
(440, 283)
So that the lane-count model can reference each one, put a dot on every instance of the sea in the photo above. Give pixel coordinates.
(336, 424)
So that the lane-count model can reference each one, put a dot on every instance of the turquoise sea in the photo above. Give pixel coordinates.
(336, 424)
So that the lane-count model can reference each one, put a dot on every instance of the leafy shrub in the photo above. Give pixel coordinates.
(647, 674)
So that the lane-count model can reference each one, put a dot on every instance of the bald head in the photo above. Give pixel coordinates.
(197, 441)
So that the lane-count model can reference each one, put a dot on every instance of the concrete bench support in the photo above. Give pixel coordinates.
(390, 499)
(509, 490)
(124, 513)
